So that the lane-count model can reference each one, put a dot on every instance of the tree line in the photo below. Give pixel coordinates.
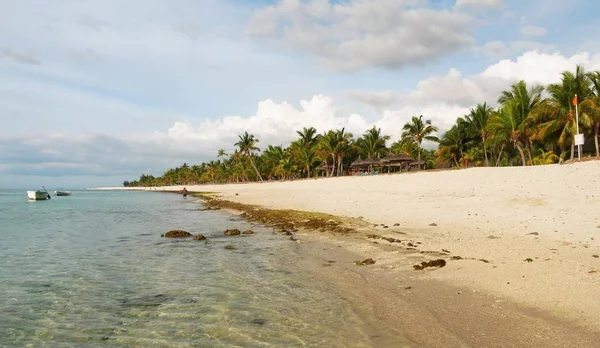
(532, 125)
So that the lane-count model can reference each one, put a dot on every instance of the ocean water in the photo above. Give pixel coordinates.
(92, 270)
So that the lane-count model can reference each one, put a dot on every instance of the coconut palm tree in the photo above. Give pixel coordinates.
(555, 115)
(477, 120)
(523, 99)
(343, 146)
(308, 137)
(273, 157)
(246, 145)
(306, 158)
(545, 157)
(591, 107)
(507, 126)
(419, 130)
(328, 143)
(372, 143)
(454, 142)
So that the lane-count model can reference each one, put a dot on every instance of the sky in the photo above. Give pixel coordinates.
(95, 92)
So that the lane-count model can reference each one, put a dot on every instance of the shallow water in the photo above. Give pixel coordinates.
(92, 269)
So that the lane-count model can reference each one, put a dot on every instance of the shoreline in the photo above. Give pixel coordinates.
(537, 228)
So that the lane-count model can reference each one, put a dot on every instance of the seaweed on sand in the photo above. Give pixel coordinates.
(284, 220)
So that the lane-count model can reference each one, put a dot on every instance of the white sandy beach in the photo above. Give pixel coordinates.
(548, 214)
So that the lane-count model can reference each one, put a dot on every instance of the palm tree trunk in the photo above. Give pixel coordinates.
(597, 129)
(522, 154)
(256, 169)
(499, 156)
(418, 157)
(332, 165)
(487, 164)
(572, 150)
(340, 170)
(529, 153)
(307, 170)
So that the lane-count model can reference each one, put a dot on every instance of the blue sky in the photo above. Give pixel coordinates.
(96, 92)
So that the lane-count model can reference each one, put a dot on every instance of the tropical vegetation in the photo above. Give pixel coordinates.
(531, 125)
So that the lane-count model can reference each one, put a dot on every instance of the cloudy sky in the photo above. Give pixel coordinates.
(93, 92)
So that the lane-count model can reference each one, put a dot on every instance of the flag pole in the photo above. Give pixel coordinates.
(577, 121)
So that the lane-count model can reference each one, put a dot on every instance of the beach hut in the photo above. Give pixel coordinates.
(324, 169)
(396, 161)
(417, 164)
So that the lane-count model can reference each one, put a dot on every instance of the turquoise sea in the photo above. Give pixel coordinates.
(92, 270)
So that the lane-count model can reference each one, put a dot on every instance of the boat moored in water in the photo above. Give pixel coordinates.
(38, 195)
(62, 193)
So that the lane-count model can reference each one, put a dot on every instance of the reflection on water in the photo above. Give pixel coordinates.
(98, 273)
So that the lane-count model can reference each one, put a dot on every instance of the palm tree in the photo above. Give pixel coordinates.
(343, 146)
(507, 126)
(478, 120)
(221, 153)
(327, 145)
(419, 130)
(273, 158)
(308, 137)
(523, 101)
(545, 157)
(372, 143)
(306, 158)
(555, 115)
(591, 107)
(247, 144)
(453, 143)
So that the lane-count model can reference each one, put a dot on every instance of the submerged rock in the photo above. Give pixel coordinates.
(248, 232)
(229, 247)
(232, 232)
(199, 237)
(177, 234)
(145, 301)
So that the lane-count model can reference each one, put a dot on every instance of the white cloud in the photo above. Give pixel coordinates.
(273, 123)
(357, 34)
(452, 88)
(533, 31)
(540, 68)
(535, 68)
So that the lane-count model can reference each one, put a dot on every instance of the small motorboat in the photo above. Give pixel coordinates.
(38, 195)
(62, 193)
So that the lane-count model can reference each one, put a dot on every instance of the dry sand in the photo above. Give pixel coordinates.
(548, 215)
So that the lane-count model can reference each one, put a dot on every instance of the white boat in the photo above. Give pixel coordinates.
(62, 193)
(38, 195)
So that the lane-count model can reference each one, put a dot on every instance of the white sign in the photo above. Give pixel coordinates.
(579, 140)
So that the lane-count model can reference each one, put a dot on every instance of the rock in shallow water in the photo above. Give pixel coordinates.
(177, 234)
(145, 301)
(232, 232)
(248, 232)
(199, 237)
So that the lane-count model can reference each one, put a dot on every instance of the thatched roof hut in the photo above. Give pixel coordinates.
(358, 163)
(372, 161)
(396, 160)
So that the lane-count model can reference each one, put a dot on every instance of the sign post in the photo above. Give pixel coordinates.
(579, 139)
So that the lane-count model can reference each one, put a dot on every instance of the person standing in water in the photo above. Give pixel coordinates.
(184, 192)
